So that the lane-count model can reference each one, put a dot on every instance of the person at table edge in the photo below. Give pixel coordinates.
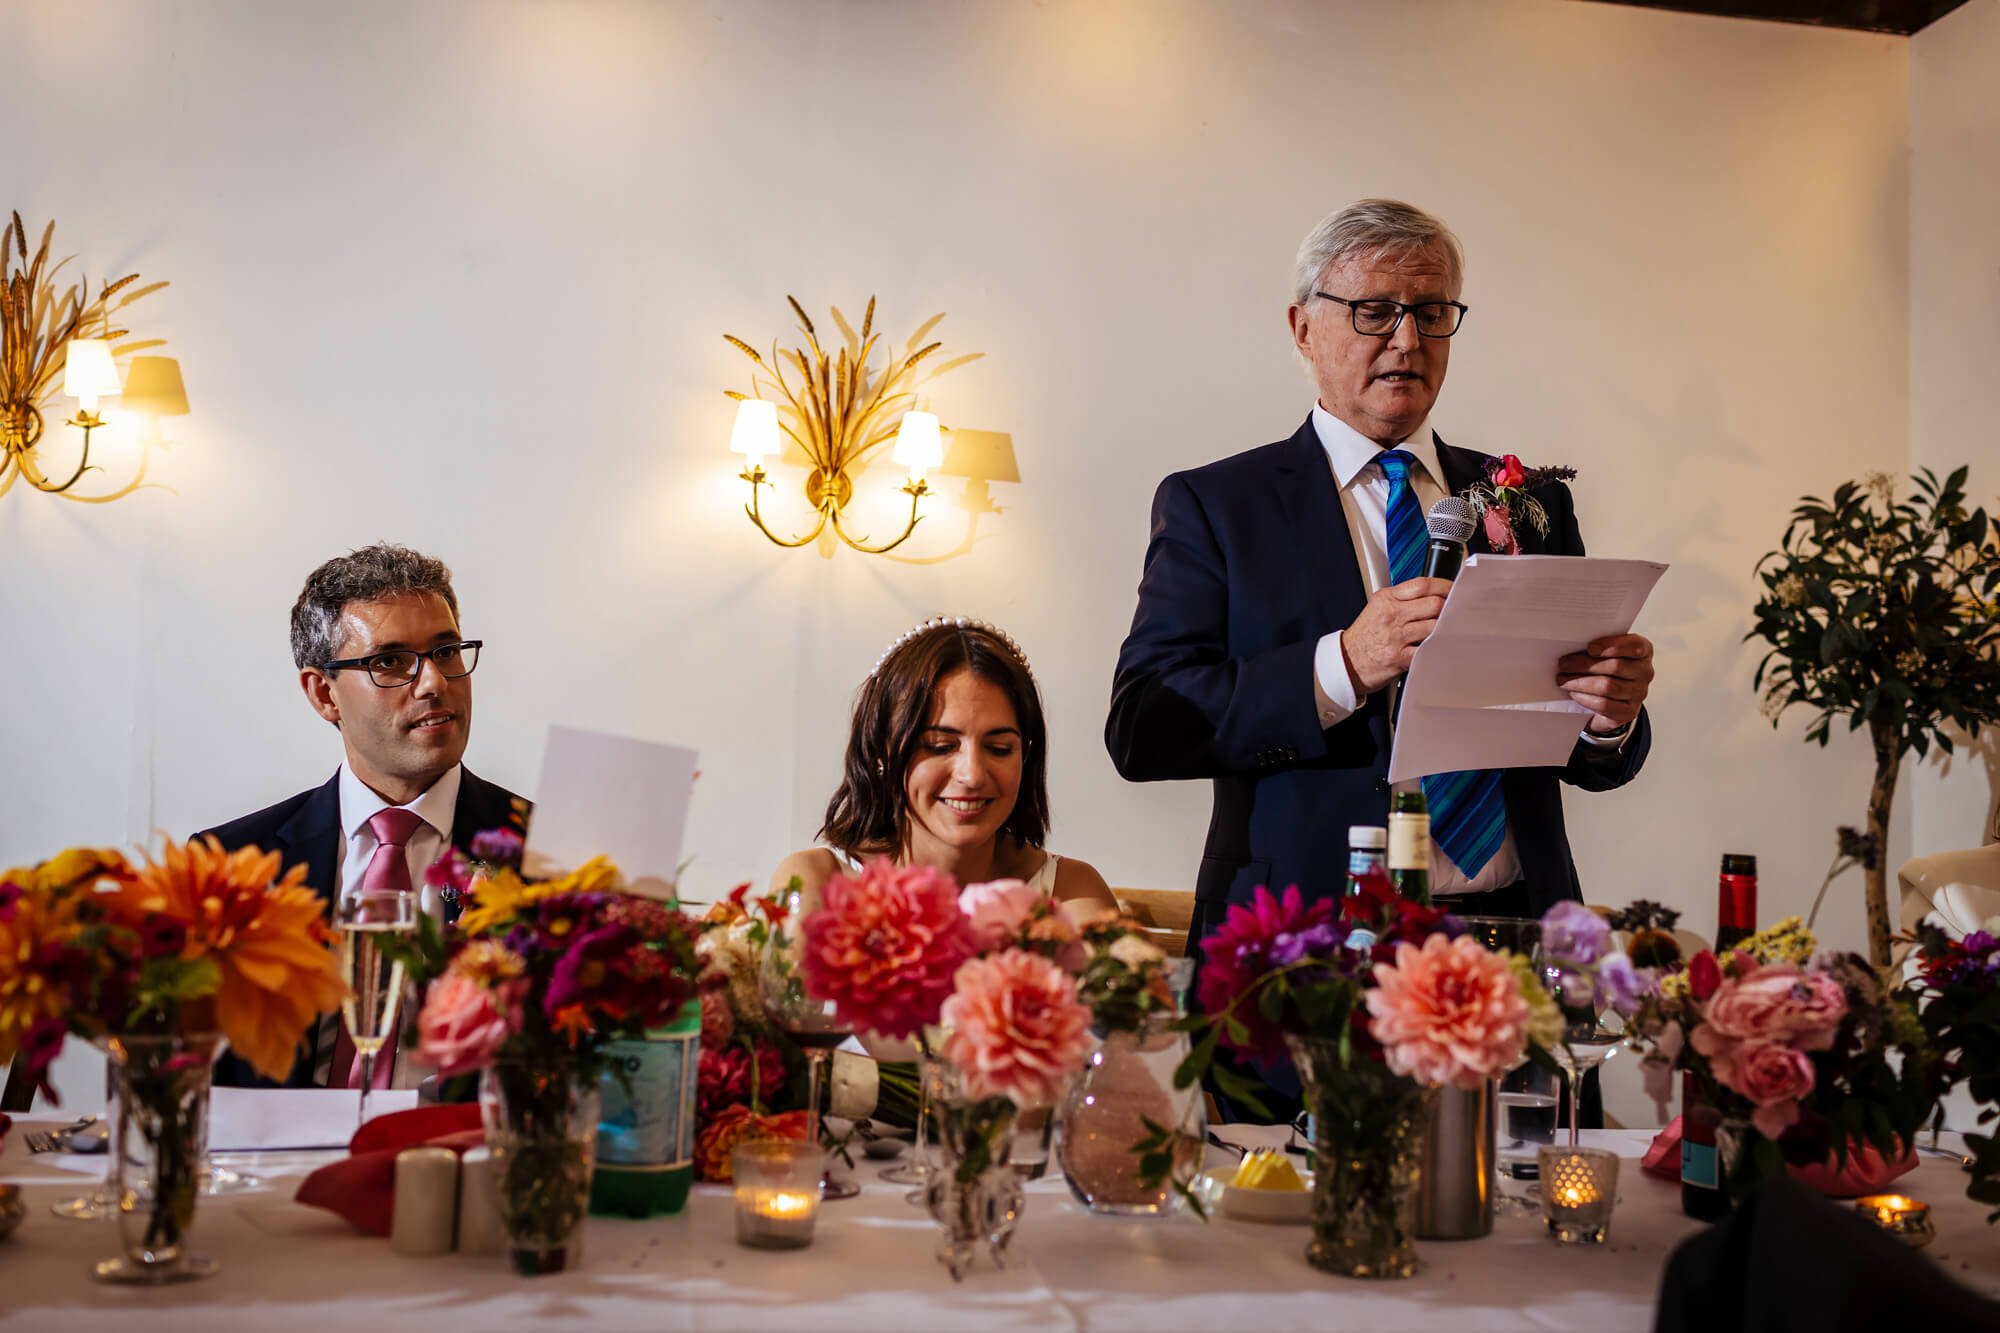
(376, 639)
(1269, 633)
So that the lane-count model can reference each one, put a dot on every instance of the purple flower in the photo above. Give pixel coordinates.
(574, 977)
(497, 846)
(1315, 941)
(1626, 984)
(1575, 934)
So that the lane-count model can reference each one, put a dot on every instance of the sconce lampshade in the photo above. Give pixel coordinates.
(755, 435)
(153, 387)
(919, 445)
(89, 373)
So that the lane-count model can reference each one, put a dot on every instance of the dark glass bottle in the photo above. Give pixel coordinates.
(1704, 1192)
(1736, 901)
(1410, 846)
(1366, 860)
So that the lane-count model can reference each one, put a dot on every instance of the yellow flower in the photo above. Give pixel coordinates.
(268, 937)
(1786, 941)
(37, 925)
(499, 897)
(489, 962)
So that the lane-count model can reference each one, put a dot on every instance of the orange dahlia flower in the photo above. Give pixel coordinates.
(267, 936)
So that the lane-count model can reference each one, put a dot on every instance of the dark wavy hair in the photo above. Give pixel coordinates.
(891, 711)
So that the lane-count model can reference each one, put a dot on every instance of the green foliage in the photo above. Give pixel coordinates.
(1883, 611)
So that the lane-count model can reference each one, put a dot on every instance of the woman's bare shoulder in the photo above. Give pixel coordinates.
(812, 867)
(1078, 881)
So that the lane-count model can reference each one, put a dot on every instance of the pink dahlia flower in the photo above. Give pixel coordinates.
(1017, 1027)
(883, 946)
(1449, 1012)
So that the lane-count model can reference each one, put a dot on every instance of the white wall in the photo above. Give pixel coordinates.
(1954, 334)
(457, 275)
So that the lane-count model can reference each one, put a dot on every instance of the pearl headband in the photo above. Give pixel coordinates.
(954, 622)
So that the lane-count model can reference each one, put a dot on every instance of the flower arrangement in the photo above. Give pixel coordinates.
(1808, 1055)
(1506, 496)
(196, 940)
(748, 1074)
(1958, 987)
(1883, 612)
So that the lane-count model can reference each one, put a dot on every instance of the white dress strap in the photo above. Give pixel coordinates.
(1045, 877)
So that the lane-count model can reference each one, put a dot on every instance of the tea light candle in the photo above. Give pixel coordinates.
(777, 1193)
(1907, 1219)
(1579, 1185)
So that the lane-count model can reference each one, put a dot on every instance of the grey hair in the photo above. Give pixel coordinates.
(366, 575)
(1373, 229)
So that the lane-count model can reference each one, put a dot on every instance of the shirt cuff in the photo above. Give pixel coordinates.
(1612, 740)
(1333, 688)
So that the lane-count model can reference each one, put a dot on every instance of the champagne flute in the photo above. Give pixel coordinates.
(807, 1020)
(1587, 1040)
(374, 982)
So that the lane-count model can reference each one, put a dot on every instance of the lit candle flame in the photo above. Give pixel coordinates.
(785, 1205)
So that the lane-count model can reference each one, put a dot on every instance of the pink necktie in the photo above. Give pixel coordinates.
(388, 872)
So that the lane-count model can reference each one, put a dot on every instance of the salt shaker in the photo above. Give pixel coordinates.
(480, 1230)
(426, 1202)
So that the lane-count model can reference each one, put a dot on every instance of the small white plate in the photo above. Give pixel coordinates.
(1277, 1207)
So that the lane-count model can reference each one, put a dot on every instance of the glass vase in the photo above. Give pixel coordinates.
(1124, 1095)
(541, 1128)
(157, 1150)
(1367, 1135)
(971, 1188)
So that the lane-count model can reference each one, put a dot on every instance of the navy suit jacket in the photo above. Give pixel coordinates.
(305, 830)
(1249, 564)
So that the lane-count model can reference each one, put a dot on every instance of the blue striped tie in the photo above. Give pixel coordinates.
(1468, 818)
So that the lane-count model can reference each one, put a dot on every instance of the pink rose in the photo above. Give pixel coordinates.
(1774, 1078)
(1500, 530)
(1017, 1027)
(1509, 472)
(1450, 1012)
(463, 1023)
(998, 908)
(1778, 1002)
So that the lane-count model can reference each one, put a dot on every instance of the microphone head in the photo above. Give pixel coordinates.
(1452, 520)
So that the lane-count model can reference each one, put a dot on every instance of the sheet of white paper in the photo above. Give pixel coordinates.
(603, 795)
(272, 1119)
(1482, 690)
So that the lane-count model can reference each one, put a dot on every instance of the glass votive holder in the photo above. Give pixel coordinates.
(1907, 1219)
(1579, 1185)
(777, 1192)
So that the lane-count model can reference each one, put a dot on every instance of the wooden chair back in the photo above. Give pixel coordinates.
(1165, 914)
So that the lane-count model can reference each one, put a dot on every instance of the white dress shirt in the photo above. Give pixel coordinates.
(359, 804)
(1364, 499)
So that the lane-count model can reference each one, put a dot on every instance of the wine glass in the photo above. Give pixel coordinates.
(1588, 1037)
(1527, 1092)
(806, 1019)
(374, 981)
(100, 1202)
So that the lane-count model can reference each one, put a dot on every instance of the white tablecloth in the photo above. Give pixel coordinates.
(287, 1268)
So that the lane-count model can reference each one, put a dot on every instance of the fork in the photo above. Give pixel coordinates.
(53, 1140)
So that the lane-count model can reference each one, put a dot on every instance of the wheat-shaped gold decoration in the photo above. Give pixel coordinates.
(839, 408)
(36, 325)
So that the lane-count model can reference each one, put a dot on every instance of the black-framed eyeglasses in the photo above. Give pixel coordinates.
(1381, 319)
(400, 666)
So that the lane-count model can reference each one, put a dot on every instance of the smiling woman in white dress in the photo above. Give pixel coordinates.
(947, 766)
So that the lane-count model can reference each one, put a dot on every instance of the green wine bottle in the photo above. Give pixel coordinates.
(1410, 846)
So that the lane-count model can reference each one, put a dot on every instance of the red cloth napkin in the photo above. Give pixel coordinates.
(1866, 1171)
(362, 1186)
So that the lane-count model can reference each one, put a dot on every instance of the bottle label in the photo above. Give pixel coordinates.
(1698, 1165)
(1736, 904)
(652, 1124)
(1409, 842)
(1362, 860)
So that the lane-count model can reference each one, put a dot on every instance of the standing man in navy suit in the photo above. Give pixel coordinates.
(376, 639)
(1269, 632)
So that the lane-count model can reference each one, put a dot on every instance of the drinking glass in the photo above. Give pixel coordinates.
(1589, 1037)
(101, 1202)
(1527, 1093)
(806, 1019)
(374, 982)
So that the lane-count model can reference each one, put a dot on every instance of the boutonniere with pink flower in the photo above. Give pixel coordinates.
(1506, 498)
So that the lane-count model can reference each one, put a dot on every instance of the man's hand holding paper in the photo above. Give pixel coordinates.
(1480, 693)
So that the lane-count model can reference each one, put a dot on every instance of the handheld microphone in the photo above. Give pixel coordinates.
(1451, 523)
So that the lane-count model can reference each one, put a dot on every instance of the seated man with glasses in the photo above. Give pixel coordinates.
(1282, 599)
(380, 655)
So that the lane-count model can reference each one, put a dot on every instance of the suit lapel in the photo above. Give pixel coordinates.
(1309, 498)
(1461, 468)
(311, 837)
(482, 806)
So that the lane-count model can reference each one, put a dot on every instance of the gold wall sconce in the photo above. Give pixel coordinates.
(839, 410)
(42, 332)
